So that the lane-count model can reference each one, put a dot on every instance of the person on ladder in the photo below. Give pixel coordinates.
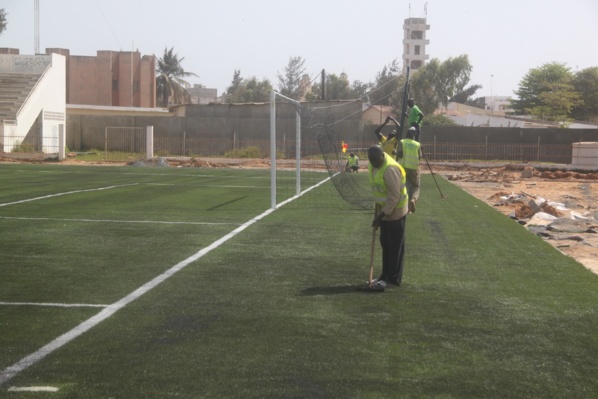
(409, 154)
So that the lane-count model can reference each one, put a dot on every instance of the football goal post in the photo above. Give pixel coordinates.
(128, 143)
(315, 157)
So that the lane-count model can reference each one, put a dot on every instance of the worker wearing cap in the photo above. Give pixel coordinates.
(388, 183)
(409, 154)
(389, 143)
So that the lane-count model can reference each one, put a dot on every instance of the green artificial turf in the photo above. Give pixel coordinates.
(486, 309)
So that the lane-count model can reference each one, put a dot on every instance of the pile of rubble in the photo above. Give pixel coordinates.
(549, 219)
(179, 163)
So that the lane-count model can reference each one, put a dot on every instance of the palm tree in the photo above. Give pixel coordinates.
(169, 79)
(3, 22)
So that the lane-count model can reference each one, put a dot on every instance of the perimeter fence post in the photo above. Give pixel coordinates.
(149, 142)
(61, 142)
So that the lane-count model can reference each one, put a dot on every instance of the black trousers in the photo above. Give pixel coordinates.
(417, 131)
(392, 240)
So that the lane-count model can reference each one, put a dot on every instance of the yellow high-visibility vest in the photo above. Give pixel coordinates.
(379, 186)
(410, 158)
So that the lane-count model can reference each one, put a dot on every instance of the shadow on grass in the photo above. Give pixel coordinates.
(336, 290)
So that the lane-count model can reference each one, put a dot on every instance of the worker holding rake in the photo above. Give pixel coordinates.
(388, 182)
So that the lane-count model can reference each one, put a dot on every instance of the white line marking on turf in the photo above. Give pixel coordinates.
(33, 389)
(203, 185)
(108, 311)
(67, 193)
(119, 221)
(59, 305)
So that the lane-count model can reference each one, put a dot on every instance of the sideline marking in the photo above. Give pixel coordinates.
(59, 305)
(66, 193)
(109, 310)
(117, 221)
(33, 389)
(203, 185)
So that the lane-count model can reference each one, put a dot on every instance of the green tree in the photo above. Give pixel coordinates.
(463, 96)
(422, 87)
(452, 77)
(387, 85)
(3, 22)
(247, 90)
(171, 88)
(290, 82)
(235, 86)
(547, 93)
(337, 88)
(585, 83)
(442, 82)
(360, 89)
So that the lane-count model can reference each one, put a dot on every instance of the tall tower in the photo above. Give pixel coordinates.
(414, 43)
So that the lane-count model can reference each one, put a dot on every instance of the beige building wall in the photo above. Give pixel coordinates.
(112, 78)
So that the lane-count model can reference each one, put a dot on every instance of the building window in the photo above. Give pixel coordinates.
(115, 85)
(136, 86)
(417, 34)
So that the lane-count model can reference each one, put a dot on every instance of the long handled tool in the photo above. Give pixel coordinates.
(369, 287)
(371, 278)
(434, 177)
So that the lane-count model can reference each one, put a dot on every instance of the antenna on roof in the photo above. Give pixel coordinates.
(36, 26)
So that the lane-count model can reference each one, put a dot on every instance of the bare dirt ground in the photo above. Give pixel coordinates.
(558, 205)
(553, 202)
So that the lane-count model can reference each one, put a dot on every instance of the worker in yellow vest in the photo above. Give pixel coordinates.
(388, 183)
(352, 163)
(409, 154)
(389, 143)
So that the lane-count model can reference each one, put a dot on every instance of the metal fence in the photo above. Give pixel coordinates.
(554, 153)
(286, 149)
(33, 142)
(130, 143)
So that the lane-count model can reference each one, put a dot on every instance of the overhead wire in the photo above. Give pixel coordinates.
(108, 24)
(366, 95)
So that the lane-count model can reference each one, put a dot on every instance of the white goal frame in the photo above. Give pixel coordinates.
(297, 105)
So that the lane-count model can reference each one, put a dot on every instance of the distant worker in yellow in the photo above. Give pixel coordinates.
(409, 154)
(352, 163)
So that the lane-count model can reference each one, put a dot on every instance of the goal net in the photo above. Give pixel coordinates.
(310, 136)
(319, 136)
(125, 144)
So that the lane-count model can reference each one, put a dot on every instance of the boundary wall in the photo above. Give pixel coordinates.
(85, 129)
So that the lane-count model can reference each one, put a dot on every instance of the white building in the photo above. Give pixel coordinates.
(497, 103)
(202, 95)
(414, 44)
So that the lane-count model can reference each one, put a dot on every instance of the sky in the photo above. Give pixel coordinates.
(504, 39)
